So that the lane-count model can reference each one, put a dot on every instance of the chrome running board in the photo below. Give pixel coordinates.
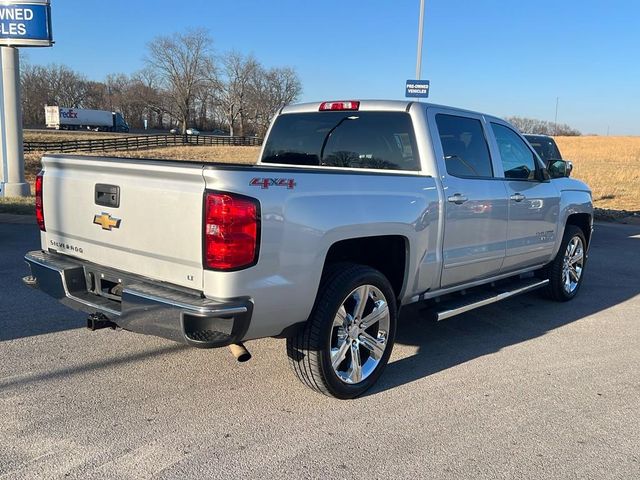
(471, 301)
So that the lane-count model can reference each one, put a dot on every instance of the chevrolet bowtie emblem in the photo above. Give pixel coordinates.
(106, 221)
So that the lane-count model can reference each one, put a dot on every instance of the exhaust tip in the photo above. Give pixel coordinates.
(239, 351)
(30, 281)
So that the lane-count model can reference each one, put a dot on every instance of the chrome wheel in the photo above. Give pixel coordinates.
(359, 334)
(572, 265)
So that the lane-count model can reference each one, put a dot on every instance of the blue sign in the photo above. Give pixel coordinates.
(25, 23)
(417, 88)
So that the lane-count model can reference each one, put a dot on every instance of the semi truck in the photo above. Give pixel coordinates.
(355, 209)
(64, 118)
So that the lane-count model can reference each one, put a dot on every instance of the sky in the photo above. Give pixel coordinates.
(502, 57)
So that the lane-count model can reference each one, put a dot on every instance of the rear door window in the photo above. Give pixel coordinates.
(351, 139)
(466, 153)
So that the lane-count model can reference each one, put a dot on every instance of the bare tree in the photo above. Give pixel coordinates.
(234, 88)
(271, 90)
(96, 95)
(183, 63)
(116, 86)
(34, 94)
(157, 103)
(65, 86)
(542, 127)
(128, 95)
(181, 84)
(206, 104)
(50, 85)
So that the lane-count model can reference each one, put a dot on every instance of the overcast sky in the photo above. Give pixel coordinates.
(500, 57)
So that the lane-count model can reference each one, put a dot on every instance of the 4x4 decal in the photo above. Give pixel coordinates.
(265, 183)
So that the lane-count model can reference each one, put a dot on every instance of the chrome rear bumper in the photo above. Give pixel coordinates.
(145, 306)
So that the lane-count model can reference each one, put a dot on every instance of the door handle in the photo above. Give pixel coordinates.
(518, 197)
(457, 198)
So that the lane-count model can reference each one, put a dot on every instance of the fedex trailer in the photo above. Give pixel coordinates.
(63, 118)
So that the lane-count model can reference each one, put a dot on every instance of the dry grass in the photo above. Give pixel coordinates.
(18, 205)
(32, 166)
(610, 165)
(65, 136)
(242, 155)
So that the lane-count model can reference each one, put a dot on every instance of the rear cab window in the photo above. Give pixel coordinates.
(349, 139)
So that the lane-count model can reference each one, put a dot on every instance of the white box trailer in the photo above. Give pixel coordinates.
(64, 118)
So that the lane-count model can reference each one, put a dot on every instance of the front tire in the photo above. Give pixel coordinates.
(345, 344)
(566, 271)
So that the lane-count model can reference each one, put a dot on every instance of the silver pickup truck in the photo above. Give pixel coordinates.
(354, 209)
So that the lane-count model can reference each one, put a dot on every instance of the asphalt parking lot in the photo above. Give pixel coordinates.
(526, 388)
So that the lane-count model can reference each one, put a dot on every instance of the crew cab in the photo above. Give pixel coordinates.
(354, 209)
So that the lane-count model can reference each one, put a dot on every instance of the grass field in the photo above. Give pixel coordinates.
(610, 165)
(243, 155)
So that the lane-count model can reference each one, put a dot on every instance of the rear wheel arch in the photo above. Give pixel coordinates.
(388, 254)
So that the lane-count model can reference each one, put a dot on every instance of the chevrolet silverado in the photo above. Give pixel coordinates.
(354, 209)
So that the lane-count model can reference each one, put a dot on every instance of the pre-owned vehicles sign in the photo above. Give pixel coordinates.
(25, 23)
(417, 88)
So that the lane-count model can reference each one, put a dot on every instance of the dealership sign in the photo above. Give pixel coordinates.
(25, 23)
(417, 88)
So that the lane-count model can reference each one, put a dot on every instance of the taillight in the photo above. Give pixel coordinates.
(231, 230)
(342, 105)
(39, 204)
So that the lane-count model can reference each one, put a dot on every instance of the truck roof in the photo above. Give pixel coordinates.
(372, 104)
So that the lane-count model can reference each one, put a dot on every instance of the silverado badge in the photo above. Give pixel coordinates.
(106, 221)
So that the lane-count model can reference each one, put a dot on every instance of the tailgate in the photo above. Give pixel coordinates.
(155, 231)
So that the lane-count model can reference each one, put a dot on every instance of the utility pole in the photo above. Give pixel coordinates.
(110, 97)
(420, 29)
(555, 120)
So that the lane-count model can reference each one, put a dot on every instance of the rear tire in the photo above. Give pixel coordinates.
(566, 271)
(345, 344)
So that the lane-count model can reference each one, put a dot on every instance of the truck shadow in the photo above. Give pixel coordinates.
(611, 279)
(22, 309)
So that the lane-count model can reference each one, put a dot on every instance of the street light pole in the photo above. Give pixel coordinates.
(420, 28)
(12, 181)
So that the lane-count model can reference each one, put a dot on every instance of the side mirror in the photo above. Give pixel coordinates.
(569, 167)
(559, 168)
